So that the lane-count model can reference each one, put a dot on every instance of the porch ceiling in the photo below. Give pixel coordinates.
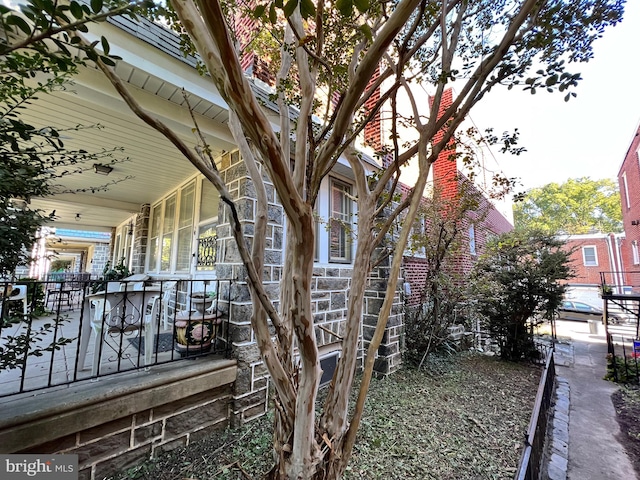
(150, 166)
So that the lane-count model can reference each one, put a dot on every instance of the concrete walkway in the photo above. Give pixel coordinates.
(594, 451)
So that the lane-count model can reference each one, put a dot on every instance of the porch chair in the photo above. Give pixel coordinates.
(108, 322)
(19, 293)
(168, 289)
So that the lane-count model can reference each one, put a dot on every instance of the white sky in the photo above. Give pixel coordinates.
(587, 136)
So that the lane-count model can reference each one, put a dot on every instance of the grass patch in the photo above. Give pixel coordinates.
(462, 418)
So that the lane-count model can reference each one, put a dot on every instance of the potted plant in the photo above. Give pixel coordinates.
(202, 301)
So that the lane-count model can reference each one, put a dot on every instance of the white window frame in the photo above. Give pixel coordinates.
(323, 211)
(595, 256)
(626, 189)
(634, 251)
(348, 220)
(472, 240)
(173, 254)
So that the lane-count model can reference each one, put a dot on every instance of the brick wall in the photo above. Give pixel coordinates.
(630, 171)
(606, 251)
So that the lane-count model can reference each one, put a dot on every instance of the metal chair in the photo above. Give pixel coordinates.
(19, 294)
(167, 292)
(120, 318)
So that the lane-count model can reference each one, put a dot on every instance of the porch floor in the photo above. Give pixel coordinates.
(58, 367)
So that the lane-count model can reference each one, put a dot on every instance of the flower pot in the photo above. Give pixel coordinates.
(201, 302)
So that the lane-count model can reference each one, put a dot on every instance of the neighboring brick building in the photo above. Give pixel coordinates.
(629, 181)
(592, 255)
(476, 228)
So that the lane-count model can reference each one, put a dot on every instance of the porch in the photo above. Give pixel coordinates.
(73, 333)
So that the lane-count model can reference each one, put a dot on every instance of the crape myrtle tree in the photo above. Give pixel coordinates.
(331, 50)
(519, 281)
(33, 159)
(439, 239)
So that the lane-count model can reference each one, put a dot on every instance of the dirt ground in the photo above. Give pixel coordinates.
(462, 418)
(627, 404)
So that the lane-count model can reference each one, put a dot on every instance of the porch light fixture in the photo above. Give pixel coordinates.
(102, 169)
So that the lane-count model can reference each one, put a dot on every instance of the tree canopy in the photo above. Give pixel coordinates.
(577, 206)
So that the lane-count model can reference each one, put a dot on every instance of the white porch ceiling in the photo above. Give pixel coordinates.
(154, 165)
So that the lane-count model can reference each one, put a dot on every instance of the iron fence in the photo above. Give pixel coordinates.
(60, 332)
(622, 359)
(531, 458)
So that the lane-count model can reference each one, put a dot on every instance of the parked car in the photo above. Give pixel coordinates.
(583, 312)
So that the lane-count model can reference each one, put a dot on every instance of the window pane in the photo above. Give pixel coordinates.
(166, 253)
(187, 199)
(184, 249)
(590, 256)
(340, 232)
(169, 215)
(210, 201)
(207, 247)
(155, 220)
(153, 237)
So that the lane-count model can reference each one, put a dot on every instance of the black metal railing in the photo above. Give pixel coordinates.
(60, 332)
(622, 359)
(531, 458)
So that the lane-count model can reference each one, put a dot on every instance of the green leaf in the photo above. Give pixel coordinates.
(552, 80)
(273, 16)
(290, 7)
(105, 45)
(18, 22)
(362, 5)
(76, 10)
(366, 30)
(307, 8)
(258, 12)
(345, 7)
(96, 6)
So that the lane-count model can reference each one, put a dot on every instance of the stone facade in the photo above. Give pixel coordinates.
(101, 255)
(330, 290)
(140, 236)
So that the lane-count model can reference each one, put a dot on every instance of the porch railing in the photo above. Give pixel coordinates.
(78, 330)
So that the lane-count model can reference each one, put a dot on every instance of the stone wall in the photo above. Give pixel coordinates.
(101, 252)
(122, 420)
(141, 233)
(251, 390)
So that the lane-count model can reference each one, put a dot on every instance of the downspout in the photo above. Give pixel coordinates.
(620, 261)
(612, 262)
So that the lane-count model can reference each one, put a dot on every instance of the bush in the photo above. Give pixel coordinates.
(517, 284)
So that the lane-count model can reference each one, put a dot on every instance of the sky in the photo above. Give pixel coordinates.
(586, 137)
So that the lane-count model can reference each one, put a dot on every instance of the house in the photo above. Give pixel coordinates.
(165, 220)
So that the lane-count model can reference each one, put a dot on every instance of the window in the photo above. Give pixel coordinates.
(634, 251)
(171, 231)
(626, 189)
(590, 256)
(207, 230)
(340, 223)
(472, 240)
